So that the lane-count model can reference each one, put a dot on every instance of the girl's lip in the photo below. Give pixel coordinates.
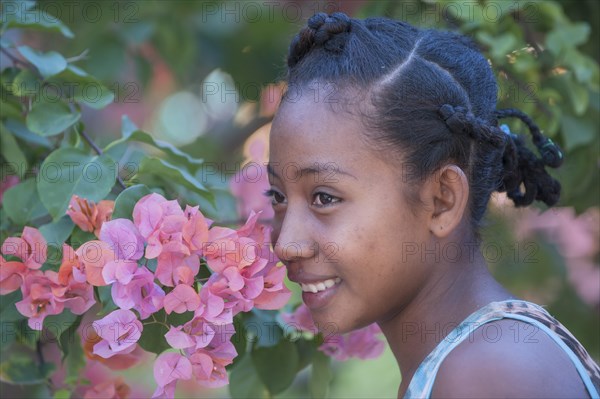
(320, 299)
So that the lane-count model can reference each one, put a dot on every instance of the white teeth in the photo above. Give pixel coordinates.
(320, 286)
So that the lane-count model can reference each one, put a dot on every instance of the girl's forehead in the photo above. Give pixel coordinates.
(310, 115)
(314, 140)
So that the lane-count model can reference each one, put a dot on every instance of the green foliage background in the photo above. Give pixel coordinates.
(544, 53)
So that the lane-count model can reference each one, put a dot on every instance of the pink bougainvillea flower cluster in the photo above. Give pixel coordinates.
(89, 216)
(363, 343)
(44, 293)
(244, 274)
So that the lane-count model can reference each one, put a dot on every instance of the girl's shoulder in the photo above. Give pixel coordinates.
(500, 362)
(510, 348)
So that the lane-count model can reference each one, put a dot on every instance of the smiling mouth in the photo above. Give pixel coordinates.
(320, 286)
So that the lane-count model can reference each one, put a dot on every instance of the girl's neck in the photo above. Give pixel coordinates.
(453, 293)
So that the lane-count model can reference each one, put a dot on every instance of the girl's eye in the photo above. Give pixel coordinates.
(324, 199)
(276, 197)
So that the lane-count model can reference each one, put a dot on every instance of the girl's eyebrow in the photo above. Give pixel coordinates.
(329, 169)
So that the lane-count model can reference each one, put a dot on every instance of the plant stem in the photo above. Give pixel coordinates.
(14, 59)
(38, 349)
(17, 61)
(81, 56)
(98, 151)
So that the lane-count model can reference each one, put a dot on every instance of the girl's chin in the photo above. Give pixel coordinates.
(329, 324)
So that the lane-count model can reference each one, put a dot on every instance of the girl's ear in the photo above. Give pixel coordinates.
(447, 193)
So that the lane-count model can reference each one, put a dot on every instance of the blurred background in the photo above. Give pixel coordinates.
(204, 77)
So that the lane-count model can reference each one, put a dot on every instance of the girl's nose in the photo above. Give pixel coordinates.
(293, 239)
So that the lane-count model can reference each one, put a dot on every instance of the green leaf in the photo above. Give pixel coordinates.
(105, 297)
(238, 339)
(83, 87)
(320, 376)
(9, 108)
(579, 96)
(127, 199)
(57, 232)
(244, 381)
(22, 203)
(20, 130)
(69, 171)
(25, 84)
(276, 365)
(8, 335)
(8, 310)
(57, 324)
(127, 126)
(78, 237)
(170, 172)
(36, 20)
(131, 133)
(20, 368)
(8, 76)
(74, 358)
(306, 351)
(153, 336)
(10, 150)
(62, 394)
(107, 57)
(583, 66)
(69, 341)
(579, 179)
(50, 63)
(263, 328)
(577, 131)
(563, 37)
(500, 45)
(50, 118)
(54, 258)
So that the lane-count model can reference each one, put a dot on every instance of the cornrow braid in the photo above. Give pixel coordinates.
(460, 120)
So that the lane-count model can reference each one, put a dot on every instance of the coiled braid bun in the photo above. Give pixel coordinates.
(329, 31)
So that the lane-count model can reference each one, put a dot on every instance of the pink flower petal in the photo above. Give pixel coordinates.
(182, 298)
(234, 278)
(120, 330)
(124, 238)
(170, 367)
(179, 339)
(147, 213)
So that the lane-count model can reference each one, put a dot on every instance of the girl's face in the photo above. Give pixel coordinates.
(342, 224)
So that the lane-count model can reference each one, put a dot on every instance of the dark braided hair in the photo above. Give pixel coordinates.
(432, 95)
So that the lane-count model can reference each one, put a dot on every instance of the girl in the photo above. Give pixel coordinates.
(384, 153)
